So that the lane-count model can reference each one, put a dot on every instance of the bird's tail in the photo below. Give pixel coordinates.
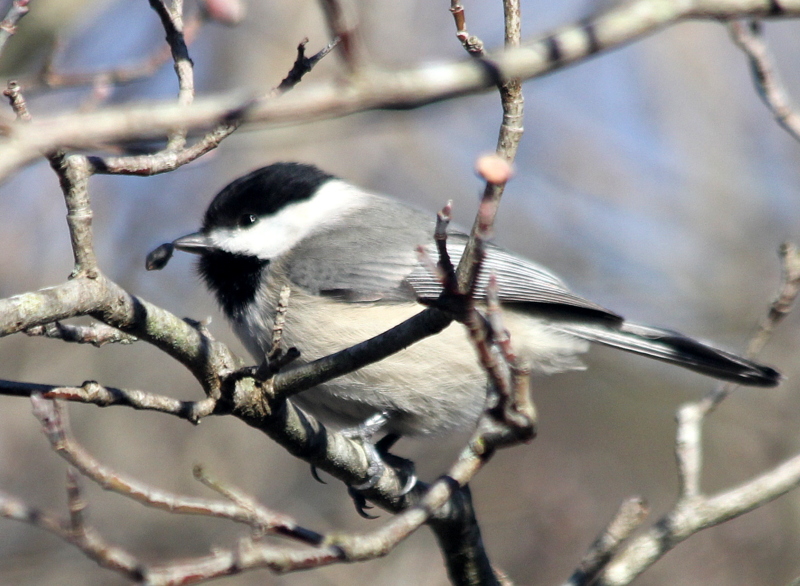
(677, 349)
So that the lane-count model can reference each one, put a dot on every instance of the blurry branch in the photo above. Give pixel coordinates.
(629, 517)
(85, 539)
(52, 417)
(172, 21)
(694, 510)
(444, 496)
(781, 307)
(379, 89)
(345, 32)
(8, 26)
(748, 37)
(169, 160)
(17, 101)
(49, 77)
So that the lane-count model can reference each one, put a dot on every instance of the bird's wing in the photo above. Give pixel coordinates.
(390, 269)
(364, 260)
(527, 286)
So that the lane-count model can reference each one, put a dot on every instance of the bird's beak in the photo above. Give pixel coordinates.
(196, 243)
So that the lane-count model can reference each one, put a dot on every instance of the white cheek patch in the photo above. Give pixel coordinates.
(274, 235)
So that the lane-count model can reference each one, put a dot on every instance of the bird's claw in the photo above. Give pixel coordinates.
(376, 454)
(360, 503)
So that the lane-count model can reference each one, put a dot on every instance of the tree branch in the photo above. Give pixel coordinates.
(379, 90)
(694, 510)
(769, 86)
(8, 26)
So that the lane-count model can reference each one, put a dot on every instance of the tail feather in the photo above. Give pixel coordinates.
(677, 349)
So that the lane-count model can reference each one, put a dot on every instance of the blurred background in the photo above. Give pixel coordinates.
(652, 179)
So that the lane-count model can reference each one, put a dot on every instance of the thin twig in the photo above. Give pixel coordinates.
(97, 334)
(778, 310)
(167, 160)
(279, 321)
(8, 26)
(13, 92)
(49, 78)
(344, 32)
(88, 542)
(695, 510)
(93, 393)
(51, 415)
(302, 65)
(508, 141)
(629, 517)
(263, 519)
(172, 21)
(473, 45)
(622, 23)
(747, 36)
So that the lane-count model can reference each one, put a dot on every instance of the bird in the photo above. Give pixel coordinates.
(350, 260)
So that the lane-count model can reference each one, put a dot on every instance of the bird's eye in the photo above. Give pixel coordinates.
(247, 220)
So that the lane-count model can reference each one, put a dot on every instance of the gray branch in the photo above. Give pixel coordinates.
(373, 90)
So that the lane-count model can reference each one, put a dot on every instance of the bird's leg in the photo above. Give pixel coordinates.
(378, 456)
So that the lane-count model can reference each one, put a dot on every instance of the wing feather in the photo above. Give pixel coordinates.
(522, 283)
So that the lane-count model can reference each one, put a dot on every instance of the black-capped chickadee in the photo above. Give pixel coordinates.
(350, 259)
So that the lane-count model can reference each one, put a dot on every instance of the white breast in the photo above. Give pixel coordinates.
(434, 386)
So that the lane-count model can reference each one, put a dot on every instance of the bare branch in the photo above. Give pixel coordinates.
(260, 517)
(18, 104)
(36, 308)
(278, 324)
(302, 65)
(473, 45)
(292, 381)
(507, 143)
(172, 21)
(49, 78)
(629, 517)
(91, 392)
(8, 26)
(170, 159)
(243, 509)
(748, 38)
(342, 32)
(97, 334)
(690, 516)
(779, 309)
(694, 510)
(410, 88)
(51, 415)
(88, 542)
(73, 173)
